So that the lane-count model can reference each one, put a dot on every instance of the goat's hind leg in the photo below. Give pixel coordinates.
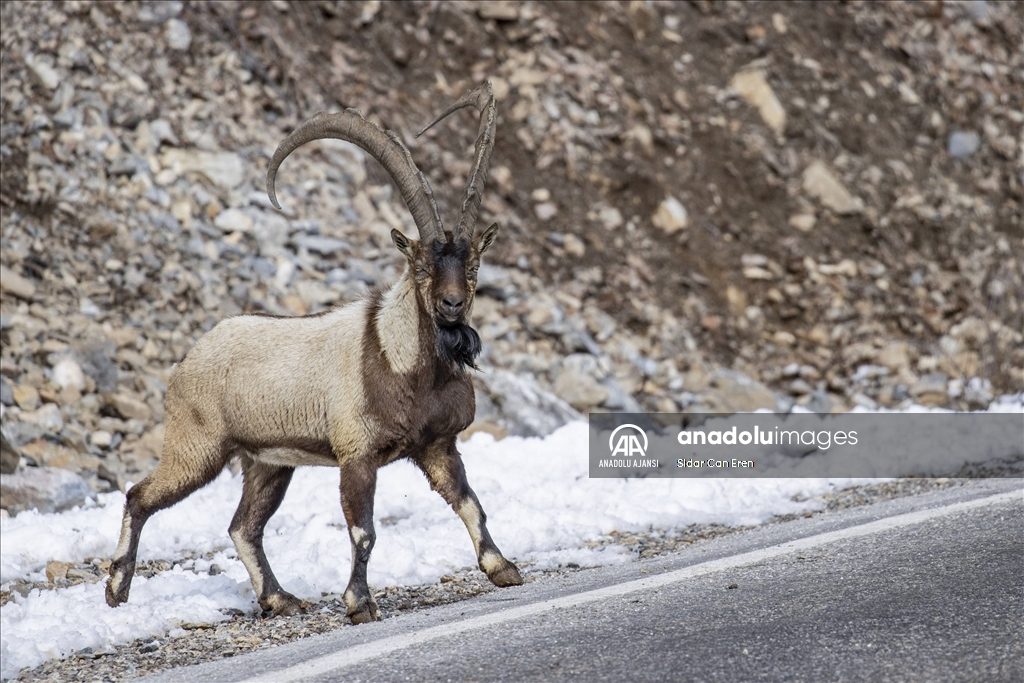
(263, 489)
(358, 484)
(443, 466)
(175, 477)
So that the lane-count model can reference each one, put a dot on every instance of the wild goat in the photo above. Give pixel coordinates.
(356, 388)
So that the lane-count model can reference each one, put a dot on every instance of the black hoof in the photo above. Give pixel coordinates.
(284, 605)
(506, 576)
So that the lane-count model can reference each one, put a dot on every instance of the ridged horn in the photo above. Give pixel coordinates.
(383, 145)
(481, 98)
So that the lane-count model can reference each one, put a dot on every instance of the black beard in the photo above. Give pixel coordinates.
(458, 345)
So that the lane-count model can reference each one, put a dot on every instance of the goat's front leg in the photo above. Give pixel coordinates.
(358, 484)
(443, 466)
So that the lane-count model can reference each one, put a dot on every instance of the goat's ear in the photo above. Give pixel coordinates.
(404, 244)
(487, 238)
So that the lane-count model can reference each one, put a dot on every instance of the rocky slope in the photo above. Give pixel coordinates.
(705, 206)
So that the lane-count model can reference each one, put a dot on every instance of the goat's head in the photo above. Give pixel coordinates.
(443, 263)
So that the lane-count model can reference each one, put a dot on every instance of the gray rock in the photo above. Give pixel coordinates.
(523, 407)
(731, 392)
(271, 231)
(128, 165)
(326, 246)
(20, 433)
(934, 382)
(600, 324)
(963, 143)
(578, 339)
(9, 456)
(153, 13)
(799, 387)
(577, 382)
(819, 403)
(364, 271)
(96, 358)
(67, 119)
(161, 131)
(6, 392)
(495, 281)
(47, 417)
(978, 9)
(618, 399)
(46, 489)
(931, 390)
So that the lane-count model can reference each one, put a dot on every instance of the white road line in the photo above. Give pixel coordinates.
(377, 648)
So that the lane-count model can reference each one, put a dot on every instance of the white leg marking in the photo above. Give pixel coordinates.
(115, 582)
(491, 562)
(247, 554)
(126, 536)
(470, 514)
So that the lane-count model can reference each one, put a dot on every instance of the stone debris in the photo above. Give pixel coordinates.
(752, 86)
(16, 285)
(820, 183)
(963, 144)
(671, 216)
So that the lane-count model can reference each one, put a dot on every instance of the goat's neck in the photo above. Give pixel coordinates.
(399, 325)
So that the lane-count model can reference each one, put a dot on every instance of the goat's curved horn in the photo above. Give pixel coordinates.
(482, 98)
(384, 146)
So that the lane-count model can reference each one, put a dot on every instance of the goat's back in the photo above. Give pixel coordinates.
(269, 382)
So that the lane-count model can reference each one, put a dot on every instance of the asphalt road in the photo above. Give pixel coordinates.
(928, 588)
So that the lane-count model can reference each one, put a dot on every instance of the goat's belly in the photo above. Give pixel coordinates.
(293, 457)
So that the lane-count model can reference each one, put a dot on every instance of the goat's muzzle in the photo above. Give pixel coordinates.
(451, 309)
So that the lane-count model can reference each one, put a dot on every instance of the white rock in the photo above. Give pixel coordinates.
(846, 267)
(819, 183)
(753, 87)
(545, 211)
(802, 221)
(223, 168)
(43, 72)
(68, 373)
(234, 220)
(178, 36)
(671, 216)
(101, 438)
(610, 217)
(574, 246)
